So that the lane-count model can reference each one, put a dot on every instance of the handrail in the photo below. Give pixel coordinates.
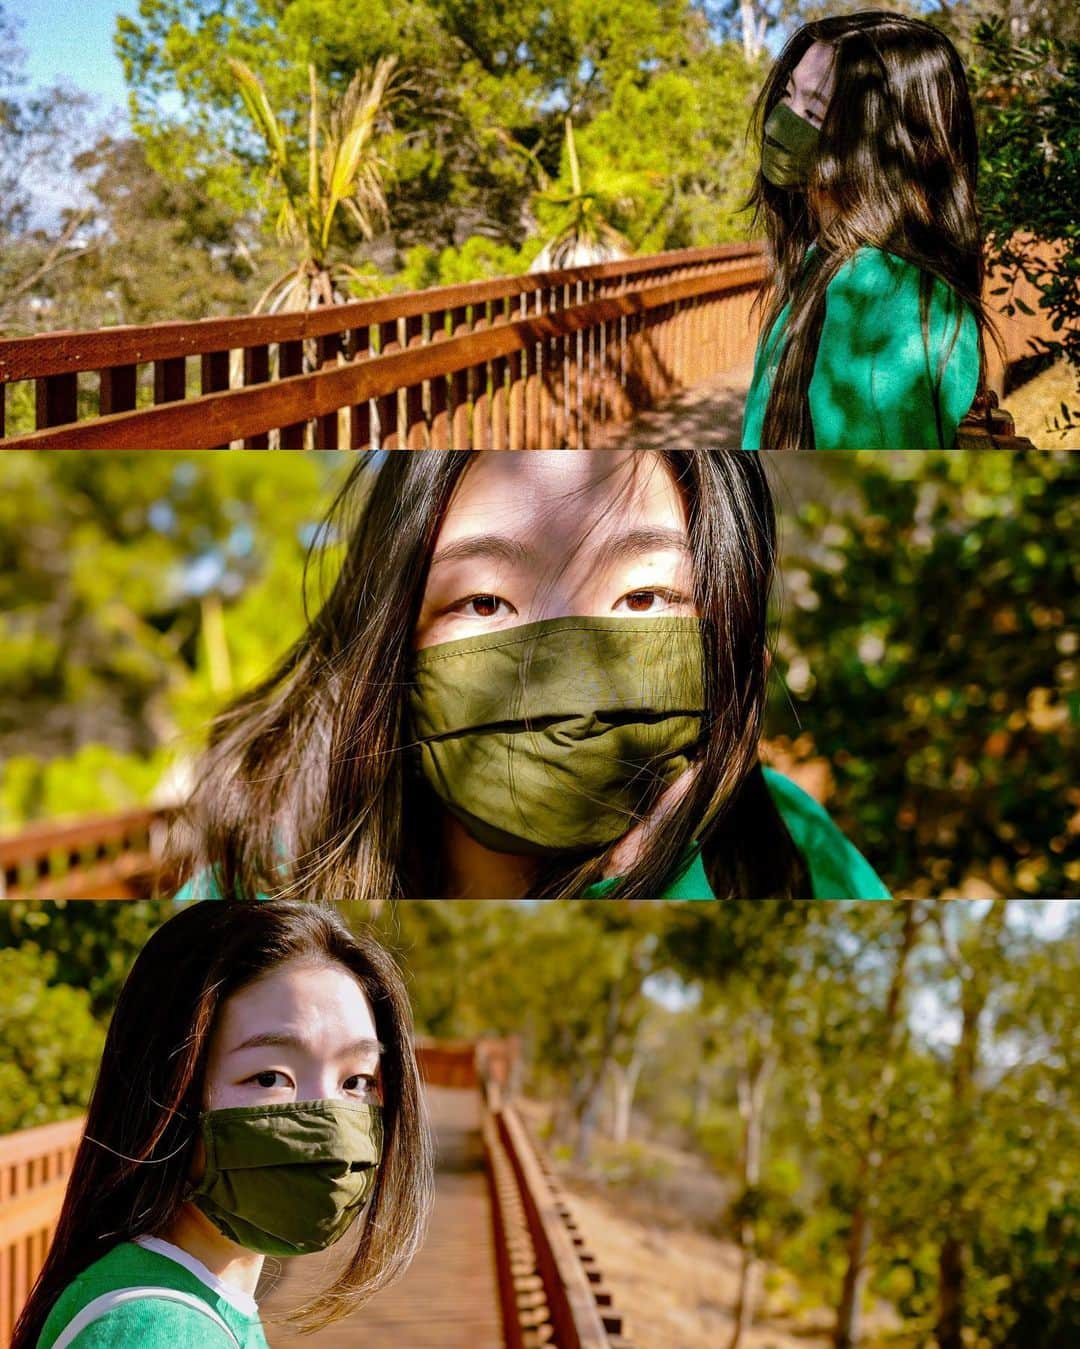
(548, 1281)
(34, 1169)
(115, 856)
(521, 362)
(68, 350)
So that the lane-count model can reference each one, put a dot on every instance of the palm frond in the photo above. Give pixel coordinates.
(261, 113)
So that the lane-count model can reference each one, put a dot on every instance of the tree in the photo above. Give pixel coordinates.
(50, 1043)
(923, 644)
(37, 130)
(485, 81)
(345, 173)
(974, 958)
(580, 231)
(106, 563)
(1027, 88)
(890, 1036)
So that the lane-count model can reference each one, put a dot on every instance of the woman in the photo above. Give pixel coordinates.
(874, 334)
(535, 674)
(258, 1094)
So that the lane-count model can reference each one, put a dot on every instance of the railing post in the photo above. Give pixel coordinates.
(257, 371)
(327, 348)
(360, 413)
(461, 416)
(291, 362)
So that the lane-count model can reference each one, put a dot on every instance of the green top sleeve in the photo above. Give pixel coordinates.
(151, 1323)
(873, 381)
(837, 869)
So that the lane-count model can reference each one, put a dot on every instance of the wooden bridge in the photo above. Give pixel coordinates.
(555, 359)
(504, 1264)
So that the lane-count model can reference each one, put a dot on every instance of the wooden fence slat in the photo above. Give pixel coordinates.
(56, 400)
(327, 349)
(290, 363)
(256, 373)
(170, 379)
(214, 376)
(360, 413)
(118, 389)
(387, 405)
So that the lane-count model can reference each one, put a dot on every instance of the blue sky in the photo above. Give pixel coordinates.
(71, 41)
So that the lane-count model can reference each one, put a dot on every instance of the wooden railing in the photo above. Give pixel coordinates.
(34, 1168)
(523, 362)
(550, 1284)
(99, 857)
(550, 1288)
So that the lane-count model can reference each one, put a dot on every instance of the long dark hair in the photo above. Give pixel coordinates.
(131, 1169)
(307, 783)
(897, 163)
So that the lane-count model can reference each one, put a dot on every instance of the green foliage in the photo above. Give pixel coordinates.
(1028, 93)
(487, 90)
(478, 259)
(113, 570)
(926, 650)
(94, 780)
(90, 947)
(50, 1043)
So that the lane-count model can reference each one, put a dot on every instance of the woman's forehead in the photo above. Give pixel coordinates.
(316, 1001)
(814, 69)
(571, 492)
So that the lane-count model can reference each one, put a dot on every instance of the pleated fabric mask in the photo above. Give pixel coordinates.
(292, 1178)
(555, 735)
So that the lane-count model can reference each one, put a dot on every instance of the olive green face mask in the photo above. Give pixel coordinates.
(289, 1179)
(789, 149)
(554, 736)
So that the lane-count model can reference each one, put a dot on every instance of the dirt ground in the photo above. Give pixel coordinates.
(677, 1288)
(1036, 403)
(672, 1279)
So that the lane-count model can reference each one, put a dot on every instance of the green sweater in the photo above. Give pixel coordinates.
(837, 869)
(149, 1322)
(873, 379)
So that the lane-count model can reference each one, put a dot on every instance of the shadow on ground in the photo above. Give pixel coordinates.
(710, 414)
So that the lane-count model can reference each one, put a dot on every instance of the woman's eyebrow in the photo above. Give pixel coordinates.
(645, 539)
(282, 1040)
(496, 546)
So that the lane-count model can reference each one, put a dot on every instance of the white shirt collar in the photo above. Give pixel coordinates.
(235, 1297)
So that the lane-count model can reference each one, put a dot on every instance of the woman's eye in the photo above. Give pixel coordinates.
(648, 601)
(360, 1082)
(269, 1079)
(481, 606)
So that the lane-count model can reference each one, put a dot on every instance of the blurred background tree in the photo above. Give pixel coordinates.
(927, 649)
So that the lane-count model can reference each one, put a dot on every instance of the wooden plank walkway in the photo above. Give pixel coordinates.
(710, 414)
(449, 1297)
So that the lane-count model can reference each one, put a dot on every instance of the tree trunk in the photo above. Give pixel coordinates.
(624, 1080)
(975, 987)
(755, 1073)
(753, 31)
(849, 1314)
(849, 1317)
(952, 1272)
